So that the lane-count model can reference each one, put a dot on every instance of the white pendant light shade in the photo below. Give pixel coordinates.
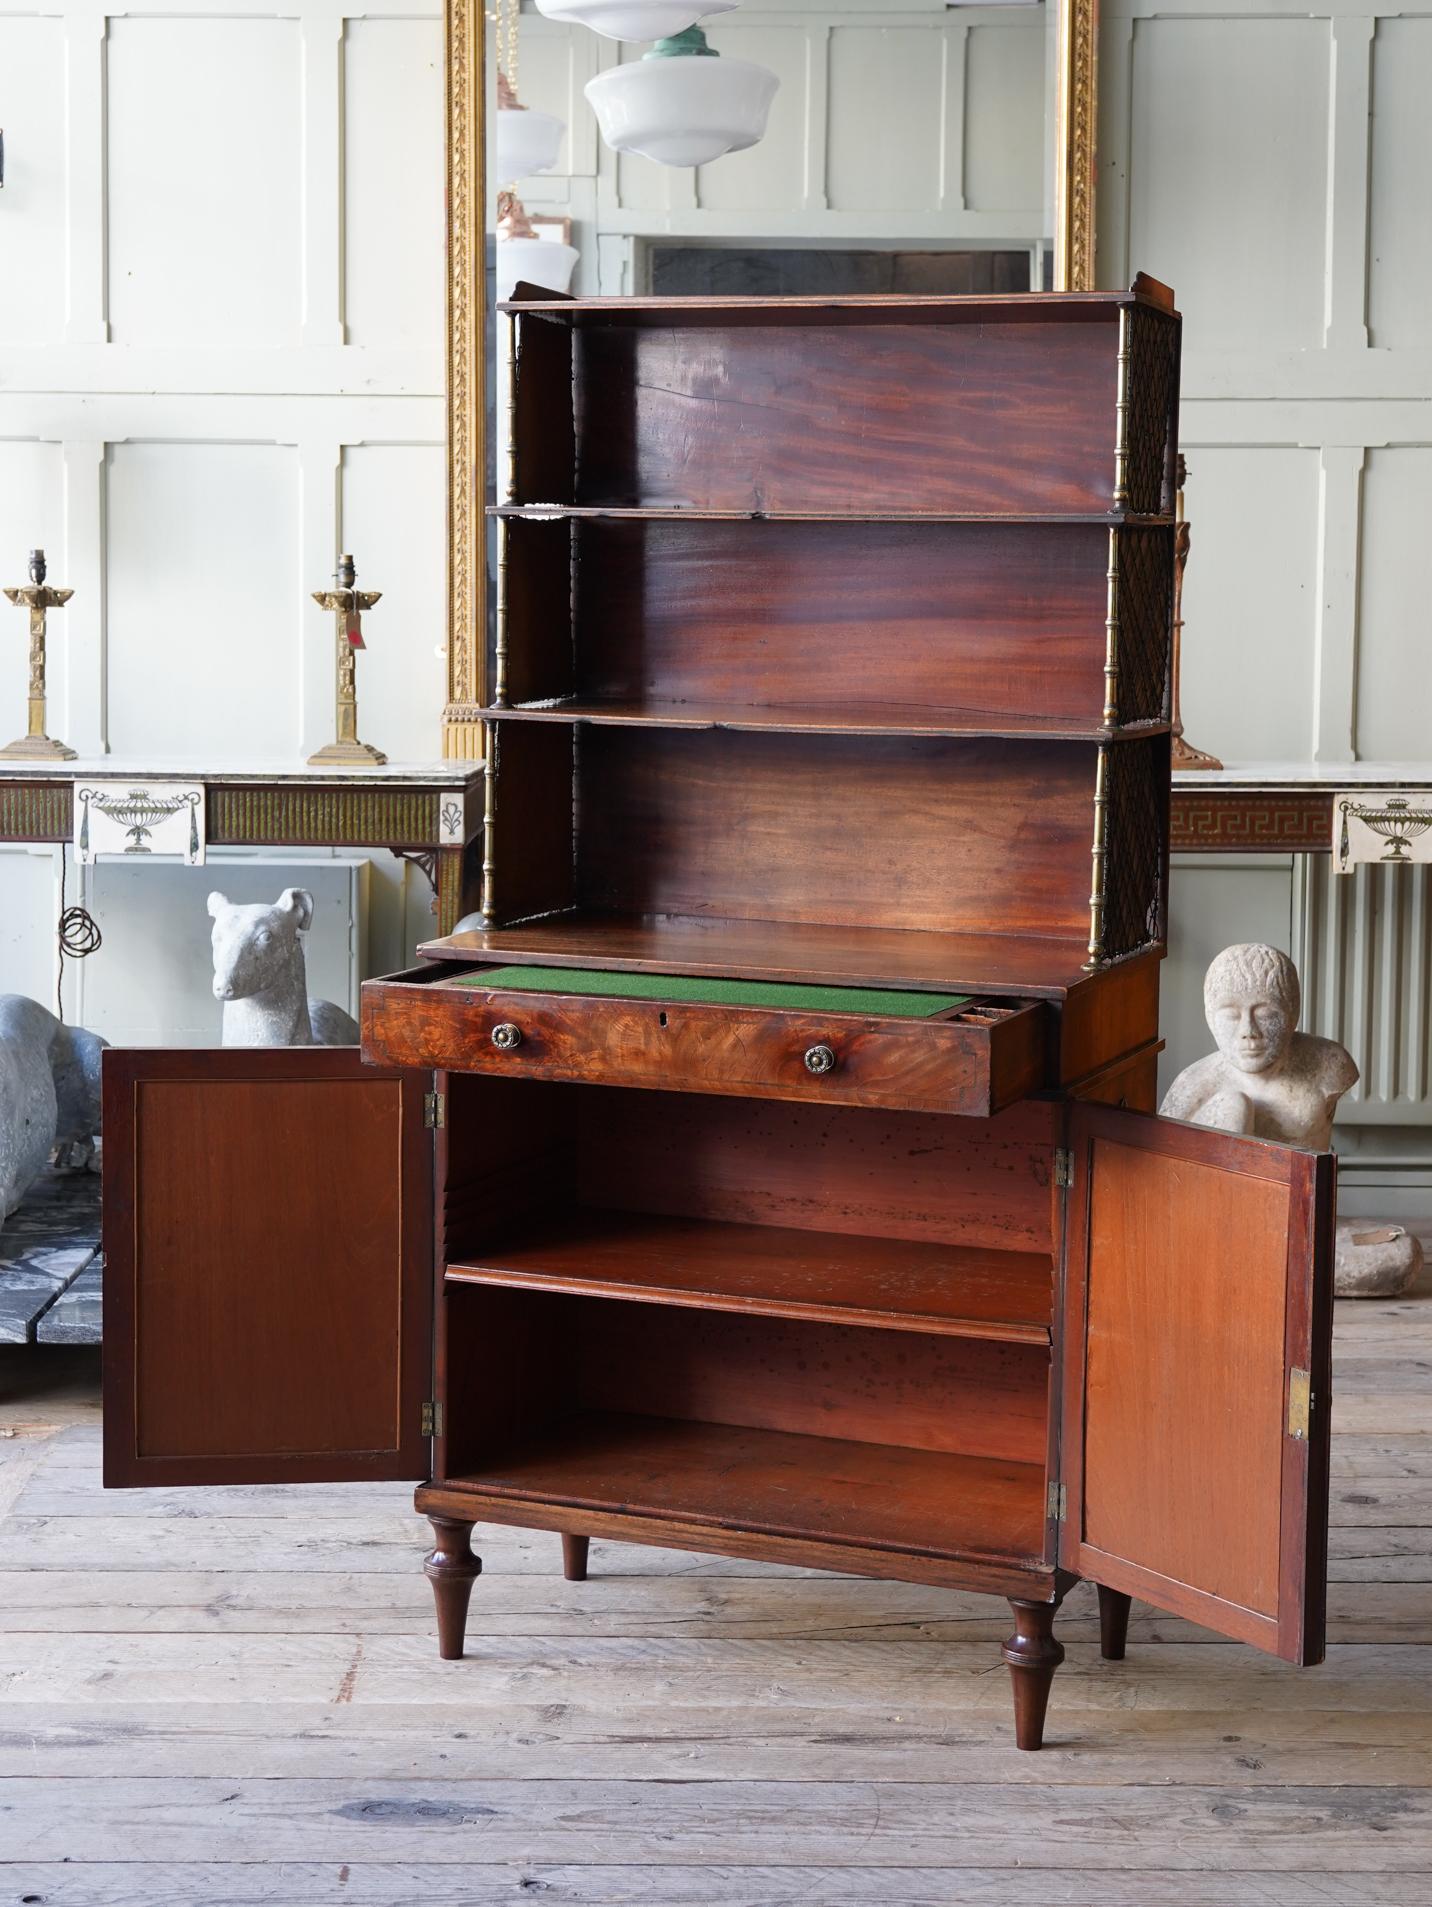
(633, 19)
(681, 105)
(522, 255)
(527, 142)
(537, 261)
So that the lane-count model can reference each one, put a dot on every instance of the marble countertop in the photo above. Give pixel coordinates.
(426, 774)
(1295, 775)
(1305, 777)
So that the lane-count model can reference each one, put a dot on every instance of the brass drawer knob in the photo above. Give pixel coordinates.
(505, 1036)
(820, 1059)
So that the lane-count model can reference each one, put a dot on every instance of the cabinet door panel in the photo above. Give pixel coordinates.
(268, 1275)
(1197, 1313)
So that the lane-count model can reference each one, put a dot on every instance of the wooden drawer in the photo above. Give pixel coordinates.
(973, 1057)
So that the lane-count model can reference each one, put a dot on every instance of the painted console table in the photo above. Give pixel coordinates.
(428, 811)
(1275, 807)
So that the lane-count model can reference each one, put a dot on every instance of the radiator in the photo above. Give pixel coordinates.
(1363, 945)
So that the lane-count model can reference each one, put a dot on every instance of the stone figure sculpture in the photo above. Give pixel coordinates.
(1266, 1078)
(49, 1094)
(1271, 1081)
(260, 975)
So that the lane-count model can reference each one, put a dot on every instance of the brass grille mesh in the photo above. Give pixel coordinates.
(1145, 559)
(1153, 392)
(1135, 846)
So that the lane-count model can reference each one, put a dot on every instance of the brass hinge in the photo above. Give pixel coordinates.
(434, 1109)
(432, 1420)
(1300, 1403)
(1058, 1502)
(1063, 1168)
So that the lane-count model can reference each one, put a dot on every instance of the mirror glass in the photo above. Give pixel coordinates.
(904, 147)
(770, 147)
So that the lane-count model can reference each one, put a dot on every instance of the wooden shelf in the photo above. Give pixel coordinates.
(1029, 966)
(860, 719)
(1036, 307)
(537, 511)
(778, 1272)
(771, 1482)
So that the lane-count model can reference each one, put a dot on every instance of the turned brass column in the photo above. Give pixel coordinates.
(347, 603)
(38, 598)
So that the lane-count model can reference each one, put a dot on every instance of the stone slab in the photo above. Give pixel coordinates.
(46, 1243)
(75, 1316)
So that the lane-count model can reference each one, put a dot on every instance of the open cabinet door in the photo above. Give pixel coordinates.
(1197, 1336)
(268, 1267)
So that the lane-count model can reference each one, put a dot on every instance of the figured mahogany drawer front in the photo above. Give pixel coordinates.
(976, 1058)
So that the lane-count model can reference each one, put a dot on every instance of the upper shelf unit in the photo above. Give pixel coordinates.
(1058, 405)
(824, 619)
(1057, 630)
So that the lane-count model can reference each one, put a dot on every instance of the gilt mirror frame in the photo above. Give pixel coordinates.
(1075, 118)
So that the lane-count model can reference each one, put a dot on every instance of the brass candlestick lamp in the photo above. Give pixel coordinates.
(347, 603)
(38, 598)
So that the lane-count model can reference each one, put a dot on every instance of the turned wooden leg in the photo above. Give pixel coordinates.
(452, 1569)
(574, 1558)
(1113, 1622)
(1033, 1655)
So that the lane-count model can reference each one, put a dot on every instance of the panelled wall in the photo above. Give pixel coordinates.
(221, 243)
(1272, 163)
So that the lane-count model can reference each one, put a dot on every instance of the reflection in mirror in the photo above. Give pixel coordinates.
(910, 145)
(904, 147)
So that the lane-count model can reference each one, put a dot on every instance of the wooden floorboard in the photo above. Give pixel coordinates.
(232, 1698)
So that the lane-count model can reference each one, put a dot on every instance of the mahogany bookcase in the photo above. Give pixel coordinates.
(774, 1173)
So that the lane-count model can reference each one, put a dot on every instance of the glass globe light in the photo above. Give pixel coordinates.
(522, 255)
(633, 19)
(681, 104)
(527, 141)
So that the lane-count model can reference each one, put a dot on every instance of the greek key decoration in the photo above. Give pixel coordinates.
(158, 817)
(1394, 830)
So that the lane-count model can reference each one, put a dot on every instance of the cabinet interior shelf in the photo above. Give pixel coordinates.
(849, 719)
(778, 1483)
(800, 951)
(777, 1271)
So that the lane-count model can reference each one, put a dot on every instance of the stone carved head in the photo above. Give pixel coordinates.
(257, 946)
(1251, 1000)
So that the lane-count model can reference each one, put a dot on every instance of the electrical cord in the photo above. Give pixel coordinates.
(79, 934)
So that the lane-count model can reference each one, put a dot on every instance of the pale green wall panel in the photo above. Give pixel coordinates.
(1394, 641)
(1399, 255)
(1250, 599)
(1227, 167)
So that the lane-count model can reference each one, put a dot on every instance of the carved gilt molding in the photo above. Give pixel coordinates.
(1076, 139)
(466, 382)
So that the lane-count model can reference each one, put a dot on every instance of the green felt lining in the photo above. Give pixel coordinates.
(713, 992)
